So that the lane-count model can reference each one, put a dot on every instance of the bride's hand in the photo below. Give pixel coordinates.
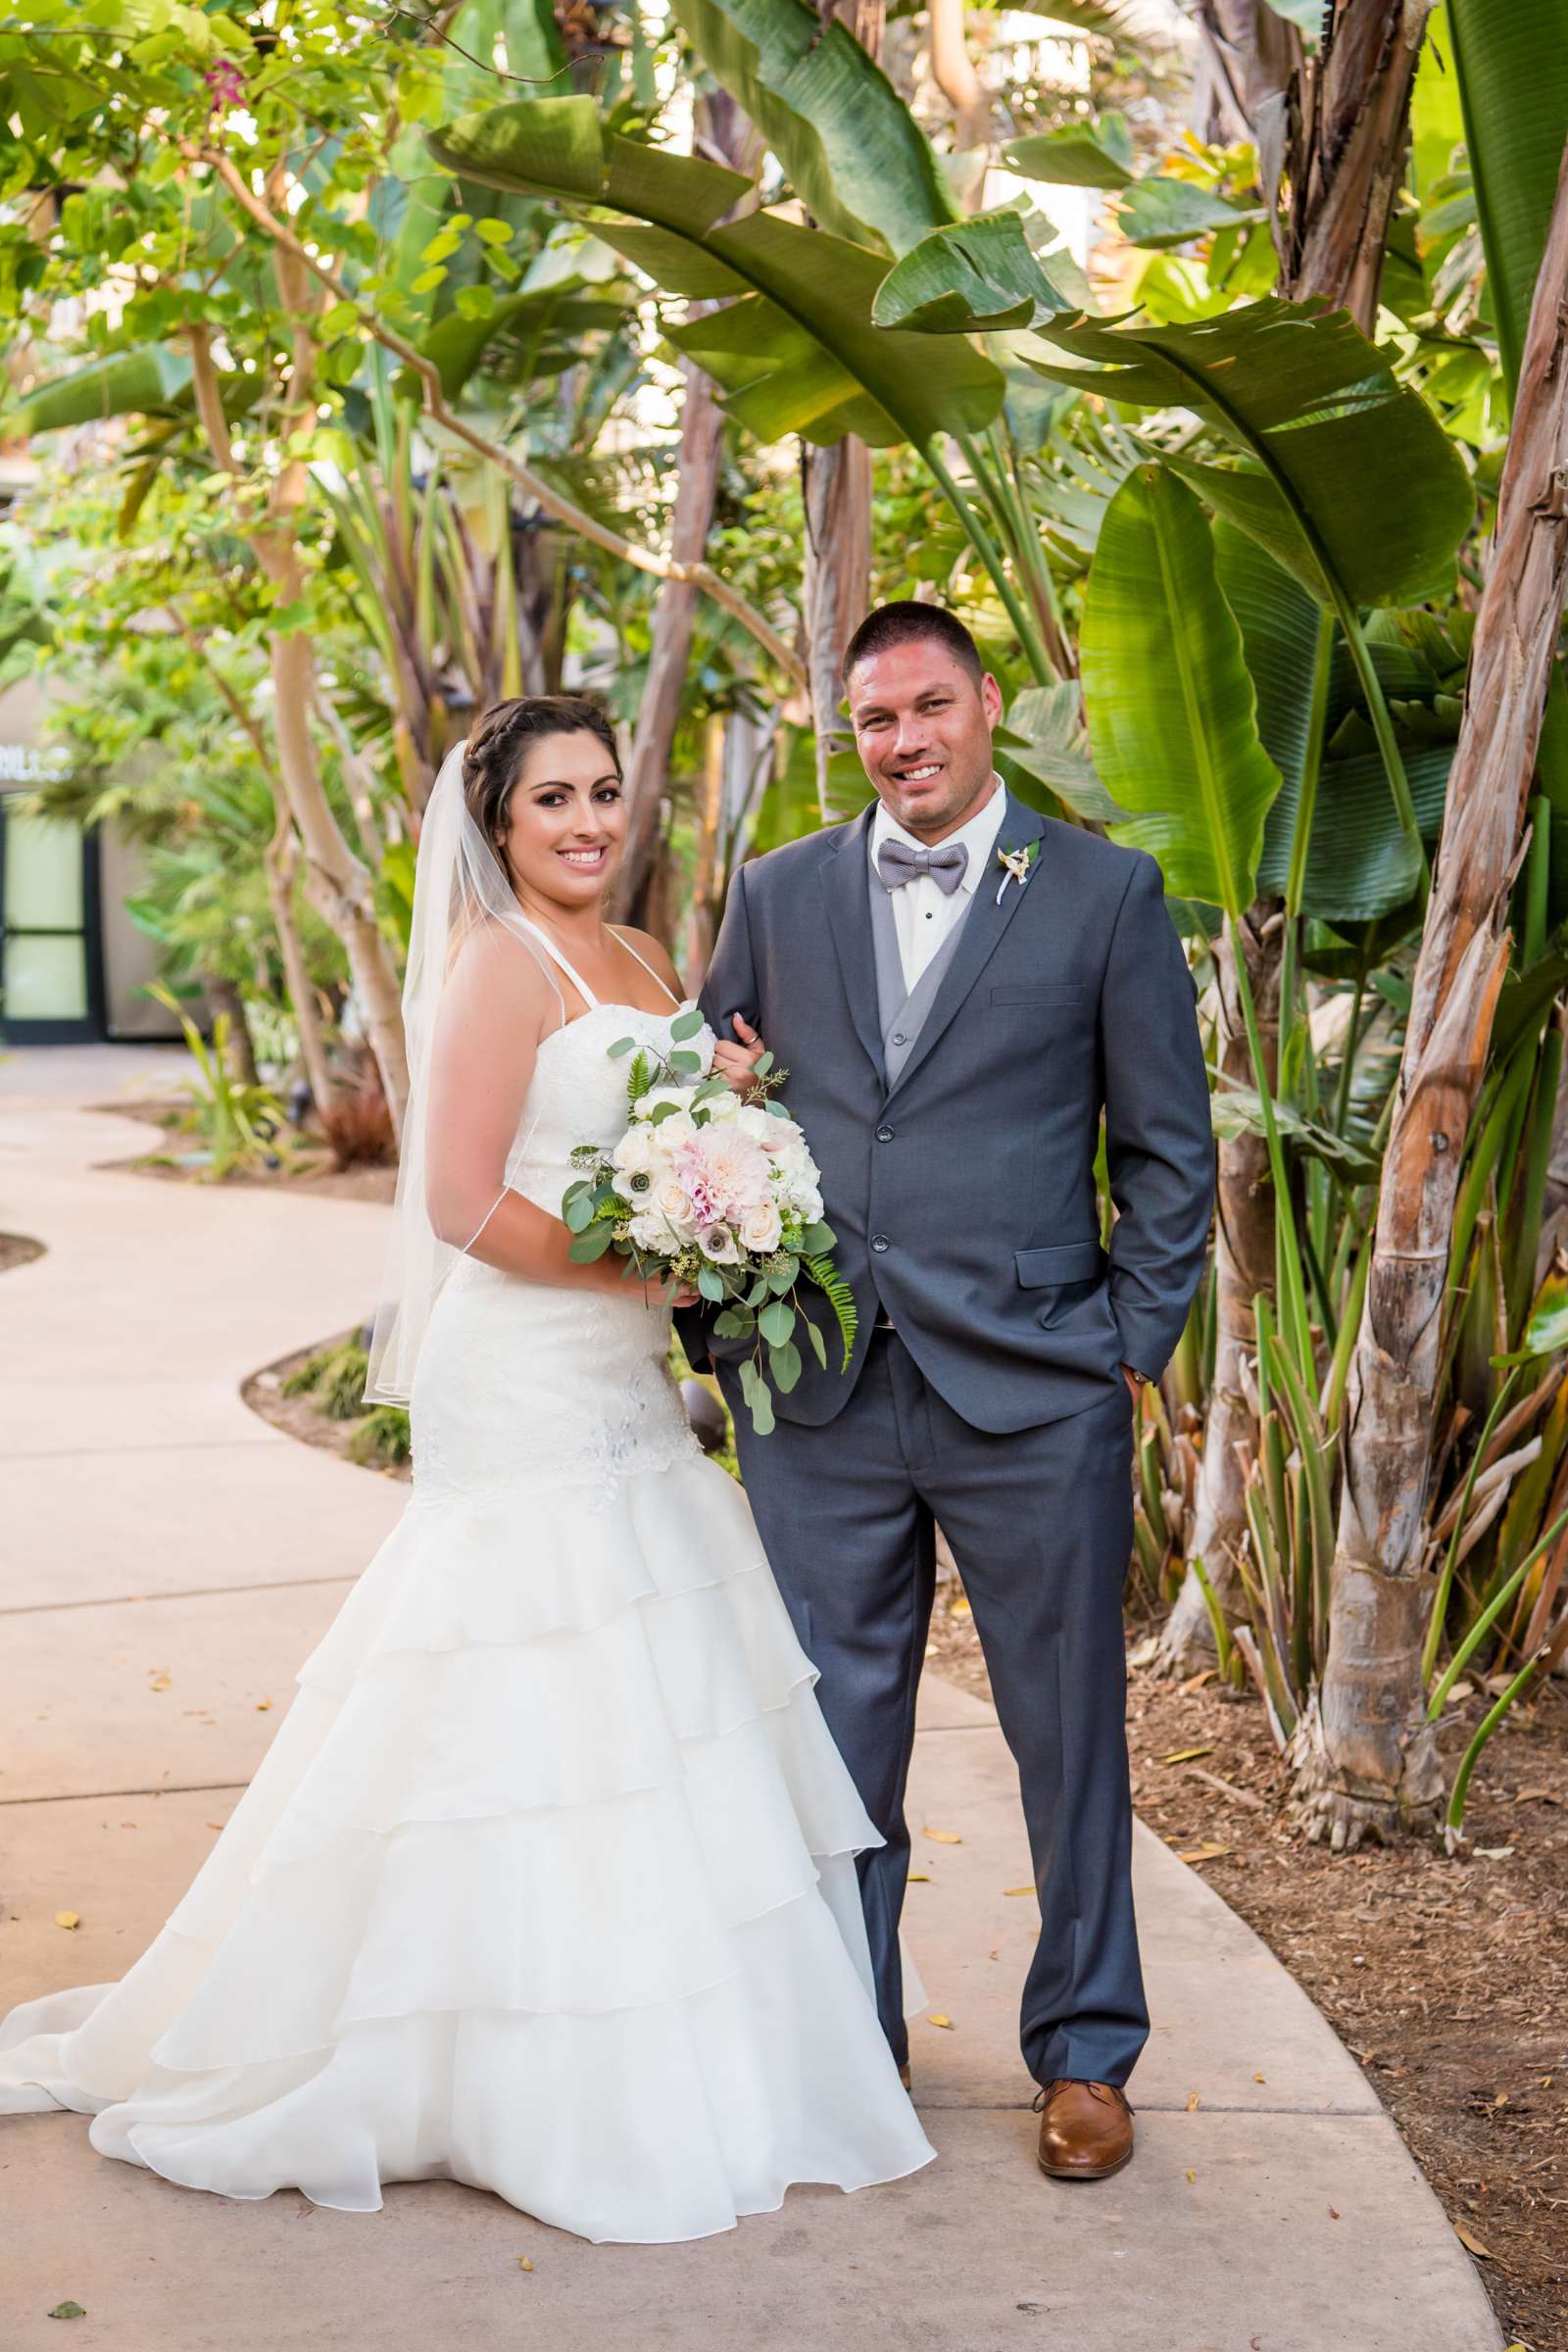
(737, 1064)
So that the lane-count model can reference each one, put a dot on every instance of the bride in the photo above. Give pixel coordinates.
(547, 1883)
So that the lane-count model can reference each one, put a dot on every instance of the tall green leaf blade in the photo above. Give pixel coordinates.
(1512, 65)
(851, 148)
(1381, 489)
(1160, 211)
(127, 384)
(1171, 710)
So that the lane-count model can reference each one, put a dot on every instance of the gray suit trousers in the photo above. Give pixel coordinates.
(1041, 1525)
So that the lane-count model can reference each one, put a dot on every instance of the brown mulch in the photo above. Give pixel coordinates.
(18, 1250)
(1447, 1980)
(300, 1417)
(323, 1182)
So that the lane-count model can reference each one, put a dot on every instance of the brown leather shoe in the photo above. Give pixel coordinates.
(903, 2078)
(1086, 2129)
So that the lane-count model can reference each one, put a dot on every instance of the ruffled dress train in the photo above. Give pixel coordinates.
(547, 1882)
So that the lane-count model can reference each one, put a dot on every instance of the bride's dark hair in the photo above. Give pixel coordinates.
(499, 743)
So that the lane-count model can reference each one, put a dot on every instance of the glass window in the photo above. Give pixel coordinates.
(43, 874)
(45, 979)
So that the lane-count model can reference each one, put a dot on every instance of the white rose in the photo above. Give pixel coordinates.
(674, 1204)
(727, 1110)
(754, 1123)
(679, 1097)
(678, 1127)
(648, 1232)
(761, 1229)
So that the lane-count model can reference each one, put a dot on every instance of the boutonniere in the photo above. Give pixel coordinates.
(1015, 865)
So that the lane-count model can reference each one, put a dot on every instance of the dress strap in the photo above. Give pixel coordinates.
(647, 966)
(556, 956)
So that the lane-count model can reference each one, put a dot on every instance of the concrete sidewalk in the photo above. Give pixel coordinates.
(152, 1528)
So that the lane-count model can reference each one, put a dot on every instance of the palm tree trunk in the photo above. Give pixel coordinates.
(1344, 166)
(1366, 1761)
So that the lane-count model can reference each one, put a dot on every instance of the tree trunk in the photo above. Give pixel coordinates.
(1243, 1266)
(721, 130)
(954, 73)
(282, 863)
(1344, 164)
(836, 496)
(835, 493)
(674, 613)
(1366, 1760)
(1247, 57)
(339, 885)
(226, 1002)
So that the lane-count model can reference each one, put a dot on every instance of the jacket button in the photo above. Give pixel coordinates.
(879, 1240)
(884, 1135)
(899, 1037)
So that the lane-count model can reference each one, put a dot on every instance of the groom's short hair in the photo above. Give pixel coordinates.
(907, 624)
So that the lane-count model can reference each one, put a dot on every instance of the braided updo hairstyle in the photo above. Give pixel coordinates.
(496, 750)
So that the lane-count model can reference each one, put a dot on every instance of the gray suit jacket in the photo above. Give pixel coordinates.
(957, 1148)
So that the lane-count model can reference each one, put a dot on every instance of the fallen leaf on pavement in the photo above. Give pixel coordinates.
(262, 1705)
(67, 2311)
(68, 1919)
(1205, 1853)
(524, 2264)
(942, 1836)
(1017, 1891)
(1193, 2102)
(1481, 2252)
(919, 1878)
(1192, 2176)
(936, 2018)
(1185, 1755)
(160, 1682)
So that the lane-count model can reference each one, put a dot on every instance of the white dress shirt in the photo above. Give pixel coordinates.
(923, 913)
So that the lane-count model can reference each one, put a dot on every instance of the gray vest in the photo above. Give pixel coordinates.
(903, 1011)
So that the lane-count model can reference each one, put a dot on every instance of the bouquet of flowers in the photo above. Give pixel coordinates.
(720, 1193)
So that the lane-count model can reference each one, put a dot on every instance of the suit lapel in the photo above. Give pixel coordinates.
(988, 919)
(845, 888)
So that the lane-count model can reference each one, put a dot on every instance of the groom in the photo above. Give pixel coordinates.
(958, 989)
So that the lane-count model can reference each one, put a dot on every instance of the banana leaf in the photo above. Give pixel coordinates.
(1159, 212)
(1171, 709)
(1512, 68)
(154, 381)
(942, 283)
(1359, 461)
(796, 352)
(850, 147)
(1094, 154)
(1239, 1110)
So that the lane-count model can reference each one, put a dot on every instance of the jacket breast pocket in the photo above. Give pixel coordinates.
(1070, 994)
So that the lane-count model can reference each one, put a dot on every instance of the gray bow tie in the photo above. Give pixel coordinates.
(946, 866)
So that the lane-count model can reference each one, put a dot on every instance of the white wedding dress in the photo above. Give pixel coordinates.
(545, 1882)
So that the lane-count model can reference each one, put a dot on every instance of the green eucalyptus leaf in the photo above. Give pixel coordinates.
(777, 1322)
(784, 1365)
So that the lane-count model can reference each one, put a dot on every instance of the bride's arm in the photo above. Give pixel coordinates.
(495, 1009)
